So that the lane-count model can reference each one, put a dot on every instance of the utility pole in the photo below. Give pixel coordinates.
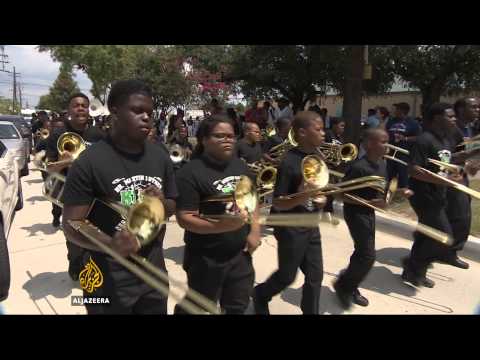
(14, 99)
(3, 58)
(20, 95)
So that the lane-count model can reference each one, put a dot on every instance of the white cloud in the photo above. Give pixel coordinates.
(37, 73)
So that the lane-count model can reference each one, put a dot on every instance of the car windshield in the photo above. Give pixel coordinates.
(8, 132)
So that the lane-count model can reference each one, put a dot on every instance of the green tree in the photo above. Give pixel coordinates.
(437, 70)
(63, 87)
(6, 107)
(103, 64)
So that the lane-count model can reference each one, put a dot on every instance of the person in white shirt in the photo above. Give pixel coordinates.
(283, 109)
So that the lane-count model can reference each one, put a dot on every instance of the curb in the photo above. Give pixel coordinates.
(471, 249)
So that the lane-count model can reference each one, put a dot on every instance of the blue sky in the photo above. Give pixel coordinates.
(37, 73)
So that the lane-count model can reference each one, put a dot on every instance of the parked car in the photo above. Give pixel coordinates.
(23, 126)
(11, 200)
(12, 139)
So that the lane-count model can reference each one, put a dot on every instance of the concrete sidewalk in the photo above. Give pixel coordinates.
(40, 283)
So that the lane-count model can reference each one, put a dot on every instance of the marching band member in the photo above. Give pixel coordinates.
(78, 113)
(297, 247)
(282, 126)
(248, 148)
(458, 210)
(361, 219)
(218, 254)
(429, 200)
(122, 167)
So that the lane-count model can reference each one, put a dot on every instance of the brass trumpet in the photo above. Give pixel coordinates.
(335, 154)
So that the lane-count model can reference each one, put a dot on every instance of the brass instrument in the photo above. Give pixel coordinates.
(39, 161)
(281, 149)
(316, 174)
(268, 132)
(335, 154)
(72, 143)
(266, 175)
(42, 134)
(244, 196)
(442, 165)
(472, 140)
(177, 154)
(144, 220)
(427, 230)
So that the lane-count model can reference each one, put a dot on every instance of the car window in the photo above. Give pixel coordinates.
(8, 132)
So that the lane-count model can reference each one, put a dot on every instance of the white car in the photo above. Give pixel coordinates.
(15, 143)
(11, 200)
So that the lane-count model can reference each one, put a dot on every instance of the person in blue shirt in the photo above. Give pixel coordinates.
(402, 131)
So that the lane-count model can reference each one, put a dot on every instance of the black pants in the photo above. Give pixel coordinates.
(425, 250)
(297, 248)
(56, 211)
(459, 215)
(127, 293)
(362, 229)
(394, 169)
(229, 282)
(329, 205)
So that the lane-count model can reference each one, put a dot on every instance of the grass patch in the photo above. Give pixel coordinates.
(402, 206)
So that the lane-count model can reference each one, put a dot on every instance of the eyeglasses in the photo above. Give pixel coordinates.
(221, 136)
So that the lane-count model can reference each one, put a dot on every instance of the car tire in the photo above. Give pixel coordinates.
(25, 171)
(4, 266)
(19, 205)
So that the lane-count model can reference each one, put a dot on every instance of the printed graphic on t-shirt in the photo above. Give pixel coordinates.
(444, 156)
(131, 190)
(227, 186)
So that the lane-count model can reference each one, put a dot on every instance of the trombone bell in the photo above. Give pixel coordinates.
(72, 143)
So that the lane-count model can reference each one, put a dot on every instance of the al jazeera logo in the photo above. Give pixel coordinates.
(91, 278)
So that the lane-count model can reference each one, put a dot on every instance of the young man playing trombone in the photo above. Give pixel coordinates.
(297, 247)
(122, 168)
(429, 200)
(78, 110)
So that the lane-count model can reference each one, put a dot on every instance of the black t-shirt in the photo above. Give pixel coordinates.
(360, 168)
(90, 135)
(203, 177)
(41, 145)
(105, 172)
(429, 146)
(288, 181)
(330, 137)
(271, 142)
(249, 152)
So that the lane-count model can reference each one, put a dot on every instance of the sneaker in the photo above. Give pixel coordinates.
(343, 296)
(261, 307)
(359, 299)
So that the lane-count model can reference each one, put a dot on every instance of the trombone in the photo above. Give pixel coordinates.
(69, 142)
(443, 166)
(281, 149)
(335, 154)
(266, 175)
(316, 173)
(177, 154)
(42, 134)
(144, 220)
